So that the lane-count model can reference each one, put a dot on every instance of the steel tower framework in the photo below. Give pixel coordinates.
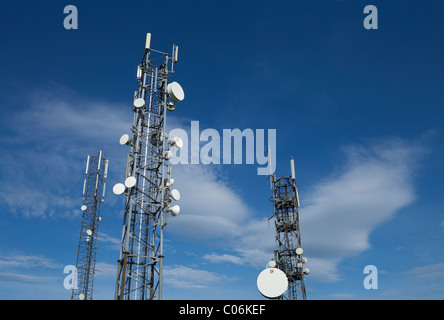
(288, 253)
(147, 187)
(93, 196)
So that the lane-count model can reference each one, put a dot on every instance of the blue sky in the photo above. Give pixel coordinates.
(361, 112)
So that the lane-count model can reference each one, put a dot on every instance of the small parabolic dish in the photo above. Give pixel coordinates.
(174, 210)
(271, 264)
(171, 106)
(81, 296)
(272, 283)
(168, 154)
(177, 141)
(299, 251)
(119, 188)
(175, 92)
(175, 194)
(89, 232)
(83, 208)
(124, 139)
(130, 182)
(139, 103)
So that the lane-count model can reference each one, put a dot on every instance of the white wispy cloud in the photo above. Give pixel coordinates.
(338, 214)
(48, 142)
(179, 276)
(217, 258)
(18, 277)
(105, 270)
(213, 211)
(20, 260)
(432, 271)
(22, 268)
(342, 210)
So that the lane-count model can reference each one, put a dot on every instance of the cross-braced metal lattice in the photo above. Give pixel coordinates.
(288, 253)
(147, 176)
(93, 197)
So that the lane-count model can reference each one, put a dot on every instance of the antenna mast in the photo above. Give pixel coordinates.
(148, 181)
(288, 253)
(93, 197)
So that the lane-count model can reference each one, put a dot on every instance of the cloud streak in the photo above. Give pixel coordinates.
(342, 210)
(48, 141)
(338, 214)
(178, 276)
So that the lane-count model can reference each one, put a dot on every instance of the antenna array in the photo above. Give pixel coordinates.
(288, 253)
(147, 184)
(93, 196)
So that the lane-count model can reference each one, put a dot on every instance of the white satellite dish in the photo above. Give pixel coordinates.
(177, 142)
(272, 283)
(174, 210)
(304, 260)
(83, 208)
(168, 154)
(306, 271)
(130, 182)
(169, 182)
(299, 251)
(175, 194)
(119, 188)
(271, 264)
(139, 103)
(89, 232)
(125, 139)
(175, 92)
(171, 106)
(81, 296)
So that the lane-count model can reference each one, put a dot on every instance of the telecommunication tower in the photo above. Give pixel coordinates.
(93, 196)
(288, 254)
(148, 181)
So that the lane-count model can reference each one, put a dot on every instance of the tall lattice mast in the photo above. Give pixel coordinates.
(288, 253)
(93, 196)
(148, 180)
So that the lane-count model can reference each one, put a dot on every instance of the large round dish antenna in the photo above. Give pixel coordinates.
(299, 251)
(175, 92)
(272, 283)
(175, 194)
(177, 142)
(125, 139)
(130, 182)
(139, 103)
(119, 188)
(174, 210)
